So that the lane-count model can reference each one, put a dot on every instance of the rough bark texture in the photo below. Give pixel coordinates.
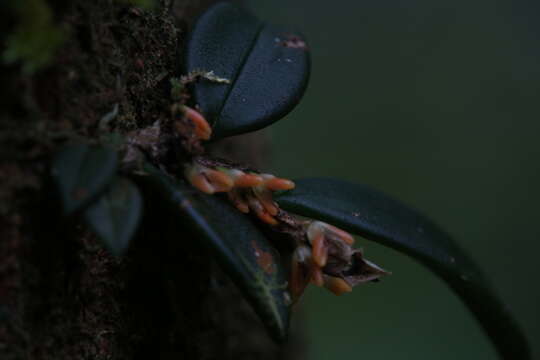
(62, 296)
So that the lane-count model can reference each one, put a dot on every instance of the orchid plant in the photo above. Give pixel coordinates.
(242, 75)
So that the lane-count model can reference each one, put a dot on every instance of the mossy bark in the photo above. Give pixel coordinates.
(62, 296)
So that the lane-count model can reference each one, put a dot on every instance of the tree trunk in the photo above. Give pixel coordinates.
(62, 296)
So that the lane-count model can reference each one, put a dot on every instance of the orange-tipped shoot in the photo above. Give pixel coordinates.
(248, 180)
(221, 181)
(203, 130)
(343, 235)
(275, 184)
(267, 218)
(317, 276)
(195, 176)
(330, 231)
(319, 251)
(260, 211)
(337, 285)
(265, 198)
(238, 201)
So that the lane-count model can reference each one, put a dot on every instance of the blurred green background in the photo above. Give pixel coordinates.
(436, 103)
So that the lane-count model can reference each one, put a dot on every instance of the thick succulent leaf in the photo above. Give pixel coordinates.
(268, 68)
(82, 172)
(114, 217)
(240, 248)
(375, 216)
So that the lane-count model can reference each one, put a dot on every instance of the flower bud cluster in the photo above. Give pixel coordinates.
(247, 191)
(324, 254)
(327, 259)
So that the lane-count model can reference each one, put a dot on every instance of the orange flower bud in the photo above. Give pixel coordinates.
(337, 285)
(265, 198)
(267, 218)
(275, 184)
(317, 276)
(343, 235)
(319, 250)
(248, 180)
(196, 178)
(238, 201)
(221, 181)
(259, 210)
(203, 130)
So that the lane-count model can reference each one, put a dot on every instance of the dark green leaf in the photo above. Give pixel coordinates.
(82, 172)
(375, 216)
(115, 215)
(240, 248)
(268, 68)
